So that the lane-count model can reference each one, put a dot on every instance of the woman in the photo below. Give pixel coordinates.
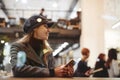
(112, 63)
(39, 60)
(82, 69)
(101, 63)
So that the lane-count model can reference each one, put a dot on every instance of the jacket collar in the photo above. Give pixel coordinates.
(31, 53)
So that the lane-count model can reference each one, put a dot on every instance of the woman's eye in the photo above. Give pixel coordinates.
(46, 25)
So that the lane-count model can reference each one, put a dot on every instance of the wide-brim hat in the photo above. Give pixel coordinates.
(35, 21)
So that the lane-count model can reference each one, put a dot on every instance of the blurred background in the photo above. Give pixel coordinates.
(64, 35)
(97, 27)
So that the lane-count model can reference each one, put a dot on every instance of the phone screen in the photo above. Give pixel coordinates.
(70, 63)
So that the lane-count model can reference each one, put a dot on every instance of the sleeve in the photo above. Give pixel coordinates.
(26, 70)
(51, 62)
(115, 66)
(80, 71)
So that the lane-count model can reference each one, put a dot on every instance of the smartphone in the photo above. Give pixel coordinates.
(97, 70)
(70, 63)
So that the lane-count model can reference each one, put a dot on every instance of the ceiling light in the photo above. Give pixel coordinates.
(109, 17)
(55, 5)
(60, 48)
(16, 0)
(79, 9)
(24, 1)
(2, 41)
(116, 25)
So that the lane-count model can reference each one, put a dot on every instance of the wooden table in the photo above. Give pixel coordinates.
(55, 78)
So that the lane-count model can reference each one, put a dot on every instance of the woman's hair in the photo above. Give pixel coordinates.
(112, 55)
(25, 38)
(101, 56)
(85, 51)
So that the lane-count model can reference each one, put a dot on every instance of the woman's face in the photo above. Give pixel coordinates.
(86, 56)
(41, 32)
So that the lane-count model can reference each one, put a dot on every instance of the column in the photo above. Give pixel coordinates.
(92, 35)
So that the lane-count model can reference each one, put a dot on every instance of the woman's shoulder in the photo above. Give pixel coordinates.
(114, 62)
(15, 44)
(18, 44)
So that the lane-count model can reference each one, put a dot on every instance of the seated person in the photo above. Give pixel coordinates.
(75, 22)
(101, 63)
(82, 69)
(39, 61)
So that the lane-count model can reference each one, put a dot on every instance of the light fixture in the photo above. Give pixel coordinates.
(116, 25)
(24, 1)
(2, 41)
(60, 48)
(79, 9)
(55, 4)
(16, 0)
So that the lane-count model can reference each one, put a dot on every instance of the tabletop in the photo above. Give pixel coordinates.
(56, 78)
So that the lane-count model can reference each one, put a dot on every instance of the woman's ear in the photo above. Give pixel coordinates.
(35, 29)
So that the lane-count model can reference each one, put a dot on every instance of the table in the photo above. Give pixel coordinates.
(55, 78)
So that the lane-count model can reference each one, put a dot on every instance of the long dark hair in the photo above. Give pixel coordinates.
(101, 56)
(112, 55)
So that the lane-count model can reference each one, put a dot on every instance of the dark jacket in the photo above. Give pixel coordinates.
(104, 72)
(81, 69)
(34, 66)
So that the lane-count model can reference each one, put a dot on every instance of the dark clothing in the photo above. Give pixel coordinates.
(75, 21)
(104, 72)
(34, 66)
(81, 69)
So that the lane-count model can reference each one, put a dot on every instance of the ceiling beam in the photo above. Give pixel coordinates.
(2, 6)
(72, 6)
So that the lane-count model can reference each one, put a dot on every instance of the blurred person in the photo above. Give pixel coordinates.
(39, 61)
(101, 63)
(83, 70)
(1, 60)
(42, 12)
(77, 19)
(74, 23)
(112, 63)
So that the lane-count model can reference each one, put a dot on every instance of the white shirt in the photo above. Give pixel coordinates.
(114, 69)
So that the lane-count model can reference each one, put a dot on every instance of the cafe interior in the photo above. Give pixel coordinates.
(97, 28)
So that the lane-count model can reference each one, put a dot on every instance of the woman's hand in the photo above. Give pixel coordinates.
(88, 73)
(60, 71)
(63, 71)
(70, 71)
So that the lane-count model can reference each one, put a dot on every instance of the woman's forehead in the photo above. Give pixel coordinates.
(43, 25)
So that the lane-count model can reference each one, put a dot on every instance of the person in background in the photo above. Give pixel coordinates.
(74, 22)
(112, 63)
(82, 69)
(1, 61)
(39, 61)
(77, 19)
(42, 12)
(101, 63)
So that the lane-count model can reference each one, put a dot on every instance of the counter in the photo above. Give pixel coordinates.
(55, 78)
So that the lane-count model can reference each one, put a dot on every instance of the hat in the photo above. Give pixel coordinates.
(85, 51)
(35, 21)
(113, 50)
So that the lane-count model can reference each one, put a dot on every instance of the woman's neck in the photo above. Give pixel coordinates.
(84, 59)
(36, 43)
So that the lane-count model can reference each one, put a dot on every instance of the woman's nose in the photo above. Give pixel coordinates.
(48, 29)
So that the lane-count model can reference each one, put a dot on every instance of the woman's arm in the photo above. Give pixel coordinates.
(26, 70)
(115, 66)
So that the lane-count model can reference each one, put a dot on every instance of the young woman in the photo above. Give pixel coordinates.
(83, 70)
(101, 63)
(112, 63)
(39, 60)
